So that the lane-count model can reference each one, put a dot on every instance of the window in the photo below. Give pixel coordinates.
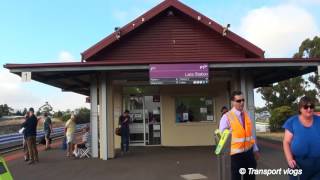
(194, 109)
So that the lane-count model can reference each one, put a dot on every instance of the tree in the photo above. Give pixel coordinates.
(24, 111)
(18, 113)
(82, 115)
(311, 49)
(288, 92)
(4, 110)
(278, 116)
(284, 93)
(58, 114)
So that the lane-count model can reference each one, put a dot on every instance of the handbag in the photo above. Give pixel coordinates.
(118, 131)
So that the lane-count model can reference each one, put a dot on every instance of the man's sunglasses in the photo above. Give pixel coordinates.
(239, 100)
(308, 106)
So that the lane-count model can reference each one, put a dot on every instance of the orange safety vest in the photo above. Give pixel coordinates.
(241, 138)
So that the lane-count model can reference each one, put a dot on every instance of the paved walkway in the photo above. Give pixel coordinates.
(151, 163)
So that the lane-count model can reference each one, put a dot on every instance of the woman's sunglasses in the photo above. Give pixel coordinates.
(308, 106)
(239, 100)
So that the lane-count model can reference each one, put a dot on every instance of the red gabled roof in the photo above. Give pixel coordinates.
(157, 10)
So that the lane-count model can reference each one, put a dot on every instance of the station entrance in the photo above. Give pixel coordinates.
(144, 106)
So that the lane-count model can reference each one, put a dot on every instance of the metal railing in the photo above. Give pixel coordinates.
(13, 140)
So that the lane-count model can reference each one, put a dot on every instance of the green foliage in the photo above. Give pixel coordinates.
(4, 110)
(18, 113)
(65, 117)
(278, 116)
(58, 114)
(259, 110)
(288, 92)
(24, 112)
(309, 48)
(284, 93)
(82, 115)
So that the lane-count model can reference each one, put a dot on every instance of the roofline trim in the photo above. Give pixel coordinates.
(146, 66)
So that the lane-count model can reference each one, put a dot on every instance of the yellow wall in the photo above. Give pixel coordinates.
(117, 106)
(190, 134)
(180, 134)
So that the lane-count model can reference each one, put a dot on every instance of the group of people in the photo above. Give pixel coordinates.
(301, 141)
(29, 130)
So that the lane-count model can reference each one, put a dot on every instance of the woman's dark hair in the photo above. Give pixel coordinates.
(223, 108)
(235, 93)
(305, 100)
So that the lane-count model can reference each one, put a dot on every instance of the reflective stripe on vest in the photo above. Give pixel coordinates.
(241, 138)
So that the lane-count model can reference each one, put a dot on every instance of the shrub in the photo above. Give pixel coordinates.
(82, 115)
(279, 116)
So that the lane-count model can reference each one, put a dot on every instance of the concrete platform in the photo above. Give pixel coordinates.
(150, 163)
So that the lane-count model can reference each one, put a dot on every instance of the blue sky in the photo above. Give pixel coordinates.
(38, 31)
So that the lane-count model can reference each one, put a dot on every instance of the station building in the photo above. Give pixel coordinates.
(173, 68)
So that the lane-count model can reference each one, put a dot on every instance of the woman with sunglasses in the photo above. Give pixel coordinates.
(301, 143)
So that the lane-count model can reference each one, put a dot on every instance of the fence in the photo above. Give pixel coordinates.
(8, 141)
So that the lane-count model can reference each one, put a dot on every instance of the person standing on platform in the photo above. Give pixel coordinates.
(244, 150)
(124, 121)
(47, 128)
(30, 126)
(70, 129)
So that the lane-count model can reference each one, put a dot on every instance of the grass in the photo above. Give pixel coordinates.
(278, 136)
(13, 125)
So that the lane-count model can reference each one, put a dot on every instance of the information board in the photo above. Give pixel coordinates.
(162, 74)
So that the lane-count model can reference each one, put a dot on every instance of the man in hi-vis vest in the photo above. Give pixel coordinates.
(244, 150)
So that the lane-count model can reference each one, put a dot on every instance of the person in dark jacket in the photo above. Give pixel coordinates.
(24, 141)
(30, 133)
(124, 121)
(47, 128)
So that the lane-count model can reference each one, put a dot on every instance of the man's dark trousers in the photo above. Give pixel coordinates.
(243, 160)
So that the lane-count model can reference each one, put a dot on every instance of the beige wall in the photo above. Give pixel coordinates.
(180, 134)
(110, 115)
(117, 106)
(190, 134)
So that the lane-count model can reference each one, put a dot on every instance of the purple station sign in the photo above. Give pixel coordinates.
(197, 73)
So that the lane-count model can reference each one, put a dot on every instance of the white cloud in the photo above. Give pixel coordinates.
(278, 30)
(18, 94)
(13, 93)
(65, 56)
(67, 100)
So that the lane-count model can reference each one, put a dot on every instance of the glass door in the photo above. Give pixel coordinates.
(145, 128)
(135, 105)
(152, 120)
